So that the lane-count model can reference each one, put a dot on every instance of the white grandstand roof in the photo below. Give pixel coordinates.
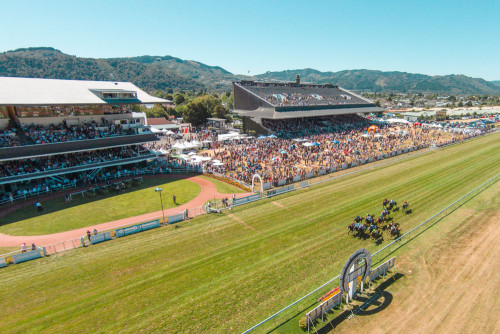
(40, 92)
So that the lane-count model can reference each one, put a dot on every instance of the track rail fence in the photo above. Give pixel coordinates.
(304, 302)
(65, 245)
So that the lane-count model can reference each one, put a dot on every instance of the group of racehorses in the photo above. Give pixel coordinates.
(373, 227)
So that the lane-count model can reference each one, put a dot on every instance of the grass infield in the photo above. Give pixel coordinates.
(224, 273)
(60, 216)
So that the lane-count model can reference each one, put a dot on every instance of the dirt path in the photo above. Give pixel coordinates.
(451, 287)
(208, 192)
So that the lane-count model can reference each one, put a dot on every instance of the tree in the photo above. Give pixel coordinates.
(198, 110)
(179, 99)
(220, 111)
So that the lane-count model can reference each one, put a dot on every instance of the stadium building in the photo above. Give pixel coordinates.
(55, 134)
(260, 103)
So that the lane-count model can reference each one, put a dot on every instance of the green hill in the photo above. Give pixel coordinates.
(167, 72)
(51, 63)
(213, 76)
(378, 81)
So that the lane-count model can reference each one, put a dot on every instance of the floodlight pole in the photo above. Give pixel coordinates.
(159, 190)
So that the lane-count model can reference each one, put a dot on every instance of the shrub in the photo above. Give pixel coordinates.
(303, 323)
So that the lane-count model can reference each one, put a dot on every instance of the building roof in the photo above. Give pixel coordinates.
(41, 92)
(159, 121)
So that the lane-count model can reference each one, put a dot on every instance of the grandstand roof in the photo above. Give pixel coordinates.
(40, 92)
(293, 100)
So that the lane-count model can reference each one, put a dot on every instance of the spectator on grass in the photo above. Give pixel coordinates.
(33, 246)
(95, 231)
(89, 234)
(23, 247)
(174, 198)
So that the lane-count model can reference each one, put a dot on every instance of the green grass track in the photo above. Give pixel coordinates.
(224, 273)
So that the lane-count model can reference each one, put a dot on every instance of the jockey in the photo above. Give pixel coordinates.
(357, 225)
(373, 227)
(393, 202)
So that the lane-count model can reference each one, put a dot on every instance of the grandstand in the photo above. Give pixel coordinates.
(258, 101)
(56, 134)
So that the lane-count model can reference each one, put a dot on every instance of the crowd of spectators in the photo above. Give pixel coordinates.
(284, 158)
(293, 94)
(38, 134)
(301, 127)
(8, 137)
(298, 99)
(63, 132)
(53, 162)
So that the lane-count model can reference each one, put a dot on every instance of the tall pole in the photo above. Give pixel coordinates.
(162, 211)
(158, 190)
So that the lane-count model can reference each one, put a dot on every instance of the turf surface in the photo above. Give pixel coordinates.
(60, 216)
(223, 187)
(224, 273)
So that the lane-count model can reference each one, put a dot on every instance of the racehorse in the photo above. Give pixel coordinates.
(405, 205)
(392, 204)
(369, 219)
(350, 229)
(385, 202)
(358, 219)
(394, 230)
(375, 234)
(360, 230)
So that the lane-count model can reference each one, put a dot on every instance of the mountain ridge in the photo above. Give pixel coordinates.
(171, 73)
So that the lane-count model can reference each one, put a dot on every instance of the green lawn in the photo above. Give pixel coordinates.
(223, 274)
(4, 250)
(60, 216)
(223, 187)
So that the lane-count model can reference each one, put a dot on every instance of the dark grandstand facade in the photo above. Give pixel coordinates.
(258, 102)
(60, 134)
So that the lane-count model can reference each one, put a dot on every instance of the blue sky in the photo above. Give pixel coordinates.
(430, 37)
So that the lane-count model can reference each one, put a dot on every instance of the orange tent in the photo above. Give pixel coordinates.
(373, 129)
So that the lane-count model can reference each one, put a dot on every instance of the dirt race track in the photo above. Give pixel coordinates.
(451, 281)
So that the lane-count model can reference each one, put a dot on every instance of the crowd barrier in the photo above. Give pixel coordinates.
(100, 237)
(280, 190)
(175, 218)
(247, 199)
(382, 269)
(26, 256)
